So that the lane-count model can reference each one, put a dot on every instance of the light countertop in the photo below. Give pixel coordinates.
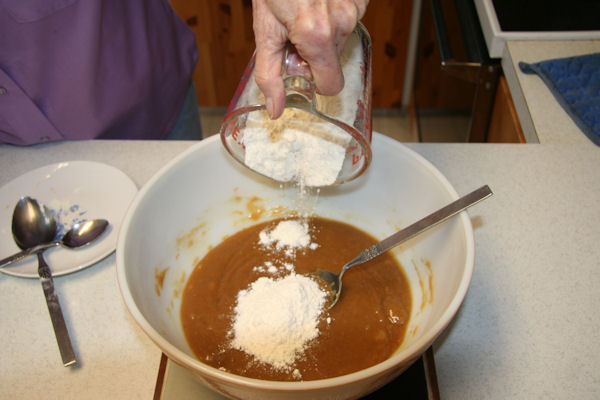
(528, 327)
(542, 118)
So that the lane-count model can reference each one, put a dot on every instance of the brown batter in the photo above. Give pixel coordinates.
(366, 326)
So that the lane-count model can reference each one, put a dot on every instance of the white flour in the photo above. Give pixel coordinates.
(288, 236)
(275, 319)
(277, 316)
(297, 147)
(270, 268)
(300, 147)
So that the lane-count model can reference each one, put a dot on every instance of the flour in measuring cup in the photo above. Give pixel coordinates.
(300, 147)
(297, 147)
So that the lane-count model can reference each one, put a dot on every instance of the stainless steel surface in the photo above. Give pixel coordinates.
(334, 281)
(79, 235)
(32, 225)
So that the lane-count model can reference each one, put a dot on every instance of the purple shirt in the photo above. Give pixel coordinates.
(85, 69)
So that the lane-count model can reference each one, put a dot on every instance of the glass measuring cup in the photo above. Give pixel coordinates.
(316, 136)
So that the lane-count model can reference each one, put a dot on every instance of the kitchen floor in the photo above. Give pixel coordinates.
(392, 123)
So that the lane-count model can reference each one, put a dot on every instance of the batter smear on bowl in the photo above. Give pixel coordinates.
(249, 307)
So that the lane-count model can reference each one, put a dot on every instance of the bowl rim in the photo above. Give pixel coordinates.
(182, 358)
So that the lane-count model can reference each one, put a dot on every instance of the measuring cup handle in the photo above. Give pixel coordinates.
(297, 78)
(294, 64)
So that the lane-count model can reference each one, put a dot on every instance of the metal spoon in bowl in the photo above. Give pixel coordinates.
(79, 235)
(334, 281)
(33, 225)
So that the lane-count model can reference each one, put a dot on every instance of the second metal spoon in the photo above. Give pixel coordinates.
(334, 281)
(79, 235)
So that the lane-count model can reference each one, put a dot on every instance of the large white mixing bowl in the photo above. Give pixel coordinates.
(203, 195)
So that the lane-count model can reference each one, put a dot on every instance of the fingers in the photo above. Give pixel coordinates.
(319, 43)
(267, 74)
(318, 29)
(270, 37)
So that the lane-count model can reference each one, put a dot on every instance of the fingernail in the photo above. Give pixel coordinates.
(269, 103)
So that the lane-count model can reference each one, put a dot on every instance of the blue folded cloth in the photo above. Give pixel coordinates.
(575, 82)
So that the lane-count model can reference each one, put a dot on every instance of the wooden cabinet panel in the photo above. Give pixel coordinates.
(435, 89)
(388, 22)
(504, 123)
(226, 42)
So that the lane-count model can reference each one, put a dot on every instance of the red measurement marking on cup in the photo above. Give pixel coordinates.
(236, 136)
(356, 158)
(362, 116)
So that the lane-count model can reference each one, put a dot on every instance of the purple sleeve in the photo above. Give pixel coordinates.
(84, 69)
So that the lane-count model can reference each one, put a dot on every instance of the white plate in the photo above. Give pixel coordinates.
(75, 191)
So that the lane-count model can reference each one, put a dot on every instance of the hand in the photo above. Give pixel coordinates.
(318, 29)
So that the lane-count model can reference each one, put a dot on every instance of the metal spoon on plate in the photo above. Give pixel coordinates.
(334, 281)
(33, 225)
(79, 235)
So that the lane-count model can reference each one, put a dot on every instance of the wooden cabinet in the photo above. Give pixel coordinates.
(389, 22)
(434, 88)
(465, 84)
(226, 42)
(504, 123)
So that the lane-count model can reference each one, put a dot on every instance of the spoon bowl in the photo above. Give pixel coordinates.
(32, 224)
(83, 233)
(333, 281)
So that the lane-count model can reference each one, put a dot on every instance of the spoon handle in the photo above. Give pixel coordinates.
(56, 315)
(421, 225)
(435, 218)
(25, 253)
